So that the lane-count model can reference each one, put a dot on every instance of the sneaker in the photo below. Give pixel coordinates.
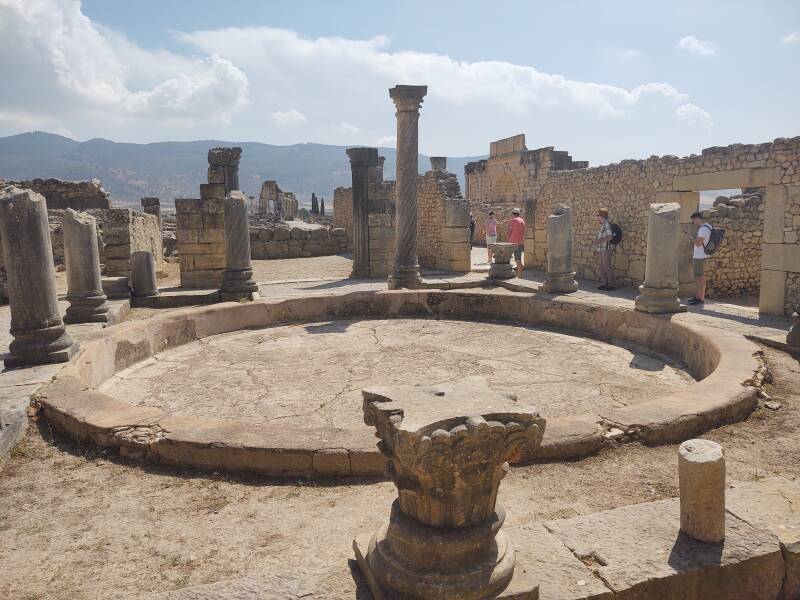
(603, 287)
(610, 288)
(696, 301)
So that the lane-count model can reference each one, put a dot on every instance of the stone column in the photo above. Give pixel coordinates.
(143, 274)
(376, 172)
(701, 476)
(659, 293)
(361, 161)
(501, 266)
(407, 100)
(560, 270)
(447, 454)
(438, 163)
(36, 325)
(223, 167)
(87, 301)
(793, 337)
(237, 280)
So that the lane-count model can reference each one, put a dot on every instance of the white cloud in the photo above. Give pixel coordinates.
(696, 46)
(387, 141)
(694, 115)
(346, 127)
(287, 118)
(792, 38)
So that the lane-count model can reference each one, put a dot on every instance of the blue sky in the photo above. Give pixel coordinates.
(604, 80)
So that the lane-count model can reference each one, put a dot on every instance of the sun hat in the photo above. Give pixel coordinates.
(603, 212)
(515, 211)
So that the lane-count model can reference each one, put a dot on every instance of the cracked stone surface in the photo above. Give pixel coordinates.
(312, 374)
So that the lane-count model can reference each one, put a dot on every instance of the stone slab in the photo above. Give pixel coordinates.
(771, 299)
(639, 552)
(781, 257)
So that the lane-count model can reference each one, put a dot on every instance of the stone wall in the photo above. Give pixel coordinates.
(273, 200)
(442, 223)
(343, 210)
(200, 235)
(284, 240)
(539, 179)
(60, 195)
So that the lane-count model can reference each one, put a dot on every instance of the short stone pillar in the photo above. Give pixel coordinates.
(143, 274)
(701, 475)
(223, 167)
(447, 454)
(361, 161)
(376, 172)
(237, 280)
(36, 324)
(501, 267)
(659, 293)
(407, 100)
(560, 269)
(87, 301)
(793, 337)
(152, 206)
(438, 163)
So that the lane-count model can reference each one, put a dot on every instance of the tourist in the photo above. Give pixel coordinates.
(471, 229)
(491, 233)
(604, 251)
(516, 235)
(699, 257)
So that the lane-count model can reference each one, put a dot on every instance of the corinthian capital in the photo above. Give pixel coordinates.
(408, 98)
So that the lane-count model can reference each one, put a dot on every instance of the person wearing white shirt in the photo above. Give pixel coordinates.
(699, 257)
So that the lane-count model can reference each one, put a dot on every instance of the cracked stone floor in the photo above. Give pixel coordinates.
(312, 374)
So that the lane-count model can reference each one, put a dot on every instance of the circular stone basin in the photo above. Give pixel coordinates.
(310, 375)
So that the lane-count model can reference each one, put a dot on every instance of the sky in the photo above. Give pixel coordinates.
(603, 80)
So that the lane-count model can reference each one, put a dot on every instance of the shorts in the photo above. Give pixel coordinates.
(518, 253)
(699, 266)
(491, 239)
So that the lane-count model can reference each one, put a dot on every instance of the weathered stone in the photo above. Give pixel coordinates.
(560, 272)
(237, 281)
(36, 325)
(143, 275)
(87, 301)
(438, 163)
(361, 161)
(701, 474)
(447, 448)
(407, 100)
(226, 160)
(659, 292)
(501, 267)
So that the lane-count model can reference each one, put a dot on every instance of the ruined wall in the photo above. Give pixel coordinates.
(343, 210)
(545, 177)
(60, 195)
(381, 214)
(442, 223)
(283, 241)
(200, 234)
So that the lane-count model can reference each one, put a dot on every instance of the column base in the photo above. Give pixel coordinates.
(40, 347)
(238, 282)
(238, 296)
(658, 300)
(560, 283)
(409, 280)
(501, 271)
(93, 309)
(360, 273)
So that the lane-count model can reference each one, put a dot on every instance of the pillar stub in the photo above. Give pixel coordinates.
(447, 454)
(143, 274)
(501, 267)
(87, 300)
(237, 280)
(701, 475)
(659, 292)
(560, 268)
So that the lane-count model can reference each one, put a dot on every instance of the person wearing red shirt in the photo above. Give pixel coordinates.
(516, 235)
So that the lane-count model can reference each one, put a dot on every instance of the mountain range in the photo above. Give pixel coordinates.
(170, 170)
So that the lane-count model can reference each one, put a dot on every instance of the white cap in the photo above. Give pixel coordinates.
(515, 211)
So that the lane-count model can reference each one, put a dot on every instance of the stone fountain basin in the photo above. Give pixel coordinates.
(725, 365)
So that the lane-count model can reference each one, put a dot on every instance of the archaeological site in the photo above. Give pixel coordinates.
(519, 375)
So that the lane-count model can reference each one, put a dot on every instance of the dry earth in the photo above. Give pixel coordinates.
(77, 524)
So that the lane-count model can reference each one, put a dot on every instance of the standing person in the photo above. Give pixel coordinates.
(699, 257)
(491, 233)
(516, 235)
(471, 229)
(604, 251)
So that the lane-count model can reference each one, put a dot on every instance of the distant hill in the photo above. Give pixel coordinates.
(170, 170)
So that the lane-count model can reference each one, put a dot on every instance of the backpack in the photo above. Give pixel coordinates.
(616, 230)
(714, 240)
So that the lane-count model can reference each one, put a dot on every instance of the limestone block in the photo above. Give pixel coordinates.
(185, 205)
(457, 252)
(701, 474)
(265, 234)
(210, 236)
(719, 180)
(774, 208)
(456, 213)
(210, 279)
(298, 233)
(209, 261)
(186, 236)
(455, 234)
(189, 221)
(281, 234)
(213, 221)
(772, 294)
(212, 190)
(781, 257)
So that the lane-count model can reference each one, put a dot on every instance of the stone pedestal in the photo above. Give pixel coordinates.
(87, 301)
(407, 100)
(237, 280)
(36, 325)
(447, 448)
(659, 293)
(223, 167)
(362, 160)
(143, 274)
(560, 272)
(701, 475)
(501, 267)
(793, 337)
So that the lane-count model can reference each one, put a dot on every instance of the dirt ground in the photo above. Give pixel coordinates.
(77, 524)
